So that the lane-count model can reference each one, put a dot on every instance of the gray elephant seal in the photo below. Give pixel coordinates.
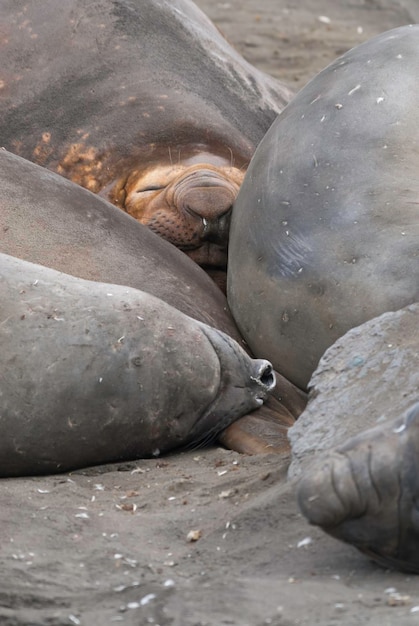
(356, 446)
(366, 492)
(94, 373)
(325, 229)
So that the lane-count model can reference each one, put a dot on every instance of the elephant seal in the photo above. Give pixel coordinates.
(325, 229)
(141, 100)
(368, 376)
(94, 373)
(356, 446)
(366, 492)
(49, 220)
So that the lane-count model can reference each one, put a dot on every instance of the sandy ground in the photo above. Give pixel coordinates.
(109, 545)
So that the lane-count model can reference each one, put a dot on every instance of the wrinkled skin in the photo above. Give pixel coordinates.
(366, 492)
(187, 202)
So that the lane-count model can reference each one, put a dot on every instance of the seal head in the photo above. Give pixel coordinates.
(108, 373)
(188, 203)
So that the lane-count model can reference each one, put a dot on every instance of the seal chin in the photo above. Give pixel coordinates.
(209, 255)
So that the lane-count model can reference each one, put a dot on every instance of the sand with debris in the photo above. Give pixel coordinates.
(112, 544)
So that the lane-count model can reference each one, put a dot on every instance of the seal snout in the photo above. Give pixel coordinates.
(203, 200)
(205, 193)
(263, 378)
(216, 231)
(189, 206)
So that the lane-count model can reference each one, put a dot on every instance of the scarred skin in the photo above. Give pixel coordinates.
(366, 492)
(107, 93)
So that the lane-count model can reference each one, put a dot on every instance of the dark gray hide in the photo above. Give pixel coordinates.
(46, 219)
(366, 377)
(90, 89)
(94, 372)
(325, 231)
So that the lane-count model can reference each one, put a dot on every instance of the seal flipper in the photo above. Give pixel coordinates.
(265, 431)
(366, 492)
(262, 432)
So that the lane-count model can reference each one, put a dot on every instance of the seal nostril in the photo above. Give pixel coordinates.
(265, 375)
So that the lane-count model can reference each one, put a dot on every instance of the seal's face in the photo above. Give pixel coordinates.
(187, 203)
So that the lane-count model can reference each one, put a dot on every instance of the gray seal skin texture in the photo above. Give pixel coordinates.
(366, 492)
(355, 449)
(94, 373)
(118, 77)
(325, 229)
(367, 377)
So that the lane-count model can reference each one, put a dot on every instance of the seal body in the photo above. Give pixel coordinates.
(325, 230)
(368, 376)
(356, 446)
(94, 372)
(365, 492)
(130, 98)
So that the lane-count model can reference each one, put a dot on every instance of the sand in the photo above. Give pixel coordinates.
(110, 545)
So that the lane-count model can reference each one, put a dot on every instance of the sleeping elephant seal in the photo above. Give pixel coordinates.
(141, 100)
(49, 220)
(94, 372)
(325, 230)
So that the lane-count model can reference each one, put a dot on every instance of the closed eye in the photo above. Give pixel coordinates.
(150, 188)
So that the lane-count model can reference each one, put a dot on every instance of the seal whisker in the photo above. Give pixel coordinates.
(231, 156)
(204, 440)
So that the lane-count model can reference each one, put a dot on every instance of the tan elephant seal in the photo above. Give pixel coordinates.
(187, 202)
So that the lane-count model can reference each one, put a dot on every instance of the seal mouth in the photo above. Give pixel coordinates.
(208, 255)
